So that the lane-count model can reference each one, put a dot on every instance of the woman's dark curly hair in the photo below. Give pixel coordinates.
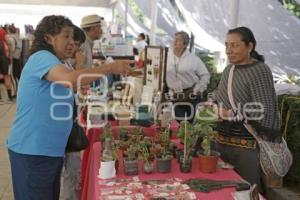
(51, 25)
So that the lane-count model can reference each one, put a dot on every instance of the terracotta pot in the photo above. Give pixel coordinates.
(209, 164)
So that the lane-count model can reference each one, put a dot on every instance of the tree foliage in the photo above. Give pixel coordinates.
(292, 6)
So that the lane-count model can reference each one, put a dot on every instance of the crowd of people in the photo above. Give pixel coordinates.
(13, 55)
(61, 52)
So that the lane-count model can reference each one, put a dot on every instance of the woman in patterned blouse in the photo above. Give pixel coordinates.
(254, 94)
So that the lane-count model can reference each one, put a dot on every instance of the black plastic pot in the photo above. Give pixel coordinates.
(185, 165)
(130, 167)
(163, 165)
(179, 153)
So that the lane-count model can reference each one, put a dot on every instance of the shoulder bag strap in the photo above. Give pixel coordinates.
(233, 105)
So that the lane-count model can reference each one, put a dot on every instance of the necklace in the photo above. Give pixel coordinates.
(176, 59)
(176, 65)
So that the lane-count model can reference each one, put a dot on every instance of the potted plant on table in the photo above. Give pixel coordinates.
(106, 134)
(163, 151)
(186, 134)
(132, 148)
(123, 134)
(146, 155)
(131, 159)
(108, 160)
(205, 120)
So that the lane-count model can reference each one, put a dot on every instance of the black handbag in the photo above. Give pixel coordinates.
(77, 140)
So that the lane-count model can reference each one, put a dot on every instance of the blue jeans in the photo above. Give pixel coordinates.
(35, 177)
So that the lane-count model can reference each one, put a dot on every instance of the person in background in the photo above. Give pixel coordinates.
(4, 64)
(15, 46)
(142, 42)
(254, 94)
(71, 172)
(39, 134)
(91, 25)
(187, 77)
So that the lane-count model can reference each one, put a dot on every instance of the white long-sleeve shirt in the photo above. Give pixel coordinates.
(186, 71)
(140, 45)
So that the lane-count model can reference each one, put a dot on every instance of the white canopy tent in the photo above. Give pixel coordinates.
(90, 3)
(276, 29)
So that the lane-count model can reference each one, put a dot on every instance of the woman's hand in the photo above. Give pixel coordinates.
(225, 114)
(79, 59)
(221, 112)
(121, 67)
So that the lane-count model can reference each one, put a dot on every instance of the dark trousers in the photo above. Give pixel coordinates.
(17, 68)
(245, 161)
(35, 177)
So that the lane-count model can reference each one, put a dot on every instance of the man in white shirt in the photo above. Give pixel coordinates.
(187, 77)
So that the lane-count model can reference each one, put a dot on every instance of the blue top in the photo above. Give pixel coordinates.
(44, 110)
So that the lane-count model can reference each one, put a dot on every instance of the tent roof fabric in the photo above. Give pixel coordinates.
(276, 30)
(100, 3)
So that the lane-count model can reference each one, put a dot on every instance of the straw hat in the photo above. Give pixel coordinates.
(90, 20)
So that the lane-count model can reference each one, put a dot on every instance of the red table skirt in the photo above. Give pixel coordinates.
(91, 189)
(93, 135)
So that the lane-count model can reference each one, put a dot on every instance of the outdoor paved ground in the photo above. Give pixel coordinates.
(7, 114)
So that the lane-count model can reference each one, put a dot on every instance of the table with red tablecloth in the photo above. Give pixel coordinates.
(93, 135)
(91, 189)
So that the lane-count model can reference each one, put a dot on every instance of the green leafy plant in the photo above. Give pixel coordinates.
(205, 120)
(160, 152)
(107, 133)
(109, 144)
(137, 132)
(189, 140)
(123, 134)
(137, 11)
(144, 149)
(181, 131)
(212, 69)
(290, 117)
(162, 148)
(131, 147)
(115, 147)
(131, 152)
(292, 6)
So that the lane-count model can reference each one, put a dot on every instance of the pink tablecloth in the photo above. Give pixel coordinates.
(90, 190)
(93, 135)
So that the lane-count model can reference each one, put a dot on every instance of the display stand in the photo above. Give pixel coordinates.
(155, 67)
